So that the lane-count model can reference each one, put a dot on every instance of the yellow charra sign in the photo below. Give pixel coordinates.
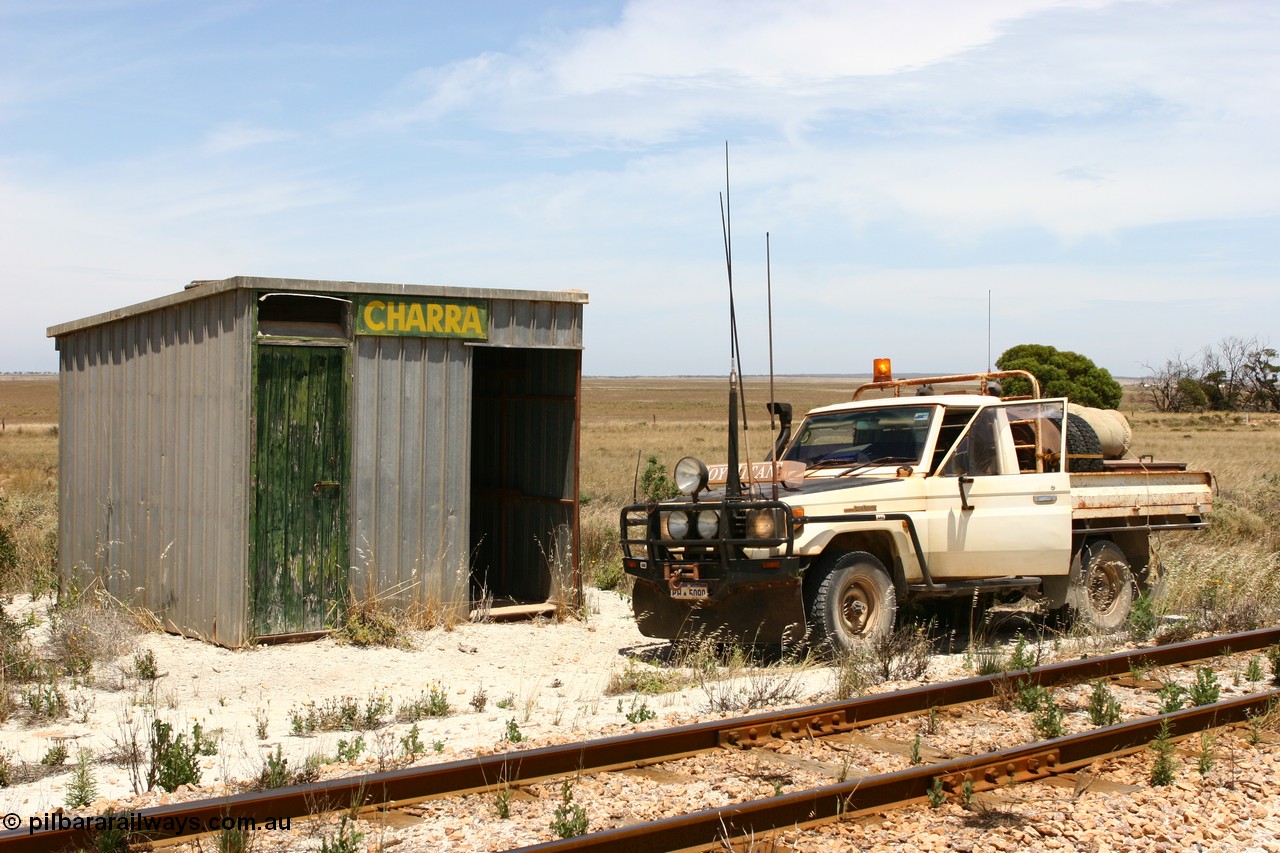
(424, 318)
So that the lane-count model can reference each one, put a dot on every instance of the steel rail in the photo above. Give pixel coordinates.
(714, 827)
(630, 750)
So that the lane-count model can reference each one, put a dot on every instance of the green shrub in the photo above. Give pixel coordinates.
(1142, 617)
(1023, 657)
(570, 819)
(174, 761)
(350, 750)
(655, 485)
(144, 666)
(1048, 719)
(55, 755)
(1172, 697)
(275, 772)
(340, 714)
(1205, 690)
(502, 804)
(369, 623)
(346, 841)
(639, 711)
(1030, 697)
(412, 743)
(1104, 708)
(1253, 672)
(513, 733)
(434, 703)
(83, 788)
(1162, 769)
(8, 553)
(44, 699)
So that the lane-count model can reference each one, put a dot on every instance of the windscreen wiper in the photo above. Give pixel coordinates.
(862, 466)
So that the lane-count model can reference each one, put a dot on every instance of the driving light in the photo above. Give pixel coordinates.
(708, 523)
(676, 524)
(690, 475)
(763, 523)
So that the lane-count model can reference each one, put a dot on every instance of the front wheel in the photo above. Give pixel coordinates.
(1101, 588)
(850, 601)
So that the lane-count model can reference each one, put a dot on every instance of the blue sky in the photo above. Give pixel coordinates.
(1109, 171)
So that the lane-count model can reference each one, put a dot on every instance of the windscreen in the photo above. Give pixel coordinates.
(890, 435)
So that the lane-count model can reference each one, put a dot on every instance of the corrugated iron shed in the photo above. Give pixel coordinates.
(246, 456)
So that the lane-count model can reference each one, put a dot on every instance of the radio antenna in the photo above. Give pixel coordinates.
(768, 277)
(989, 365)
(733, 483)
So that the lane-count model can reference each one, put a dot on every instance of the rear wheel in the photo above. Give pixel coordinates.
(850, 601)
(1101, 588)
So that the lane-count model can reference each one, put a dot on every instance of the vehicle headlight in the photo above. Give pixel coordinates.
(708, 523)
(676, 524)
(763, 523)
(690, 475)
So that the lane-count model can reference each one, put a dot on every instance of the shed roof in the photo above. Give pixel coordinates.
(202, 289)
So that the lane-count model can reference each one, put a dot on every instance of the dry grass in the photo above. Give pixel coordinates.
(625, 419)
(28, 508)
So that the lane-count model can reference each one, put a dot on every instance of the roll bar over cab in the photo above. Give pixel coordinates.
(876, 501)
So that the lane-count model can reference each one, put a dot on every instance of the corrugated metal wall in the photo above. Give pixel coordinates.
(154, 441)
(524, 323)
(410, 460)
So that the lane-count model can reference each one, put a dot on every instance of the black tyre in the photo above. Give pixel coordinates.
(1082, 440)
(1101, 589)
(849, 601)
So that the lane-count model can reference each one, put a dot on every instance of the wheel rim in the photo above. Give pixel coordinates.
(858, 607)
(1104, 584)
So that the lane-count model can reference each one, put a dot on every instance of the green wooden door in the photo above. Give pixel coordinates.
(300, 556)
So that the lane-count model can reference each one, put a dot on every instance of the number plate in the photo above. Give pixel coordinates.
(689, 589)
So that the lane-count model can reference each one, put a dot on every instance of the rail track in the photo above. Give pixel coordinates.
(1017, 764)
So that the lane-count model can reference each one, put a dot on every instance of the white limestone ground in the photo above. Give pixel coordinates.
(549, 681)
(548, 677)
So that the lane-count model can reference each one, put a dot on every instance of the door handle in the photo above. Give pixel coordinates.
(316, 488)
(1045, 499)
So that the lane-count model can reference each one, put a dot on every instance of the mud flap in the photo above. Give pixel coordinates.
(757, 614)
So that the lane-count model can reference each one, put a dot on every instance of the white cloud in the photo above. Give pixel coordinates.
(1077, 117)
(674, 61)
(592, 159)
(230, 138)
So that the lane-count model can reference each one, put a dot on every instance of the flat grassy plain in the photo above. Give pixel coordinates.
(28, 399)
(1227, 577)
(627, 419)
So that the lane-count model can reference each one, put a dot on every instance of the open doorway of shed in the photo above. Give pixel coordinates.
(524, 461)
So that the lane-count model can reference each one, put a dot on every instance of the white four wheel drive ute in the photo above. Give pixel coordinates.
(920, 495)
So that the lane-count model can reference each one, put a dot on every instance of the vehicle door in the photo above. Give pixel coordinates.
(999, 504)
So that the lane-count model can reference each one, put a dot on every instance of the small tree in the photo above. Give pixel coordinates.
(1234, 374)
(1264, 378)
(1175, 387)
(1061, 374)
(654, 482)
